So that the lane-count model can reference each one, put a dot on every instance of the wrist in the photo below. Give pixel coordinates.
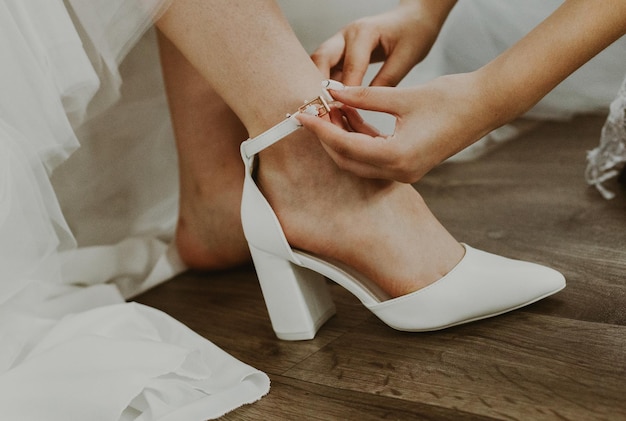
(471, 106)
(502, 97)
(515, 83)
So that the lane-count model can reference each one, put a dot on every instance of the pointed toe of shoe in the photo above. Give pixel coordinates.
(480, 286)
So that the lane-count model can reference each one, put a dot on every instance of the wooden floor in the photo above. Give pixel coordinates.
(563, 358)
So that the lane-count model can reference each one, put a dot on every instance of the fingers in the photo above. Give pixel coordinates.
(356, 123)
(325, 130)
(328, 55)
(357, 55)
(395, 68)
(367, 154)
(353, 146)
(382, 99)
(346, 55)
(360, 169)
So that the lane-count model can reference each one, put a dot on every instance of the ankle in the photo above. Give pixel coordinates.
(199, 254)
(209, 235)
(213, 240)
(269, 111)
(300, 156)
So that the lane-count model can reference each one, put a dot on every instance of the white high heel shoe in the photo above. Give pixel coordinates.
(294, 286)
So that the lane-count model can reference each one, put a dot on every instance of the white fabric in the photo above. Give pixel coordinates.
(118, 362)
(605, 161)
(84, 228)
(58, 88)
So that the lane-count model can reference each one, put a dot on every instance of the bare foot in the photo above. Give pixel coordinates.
(382, 229)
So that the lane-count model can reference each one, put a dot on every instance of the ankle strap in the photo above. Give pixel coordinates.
(317, 107)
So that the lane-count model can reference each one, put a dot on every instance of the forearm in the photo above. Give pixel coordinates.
(248, 53)
(571, 36)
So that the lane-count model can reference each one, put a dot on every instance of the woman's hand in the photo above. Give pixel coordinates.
(440, 118)
(401, 38)
(433, 121)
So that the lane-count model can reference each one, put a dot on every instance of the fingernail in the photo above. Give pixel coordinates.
(332, 84)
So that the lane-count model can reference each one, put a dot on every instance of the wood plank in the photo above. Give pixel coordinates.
(293, 399)
(518, 366)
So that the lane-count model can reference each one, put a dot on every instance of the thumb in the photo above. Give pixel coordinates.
(381, 99)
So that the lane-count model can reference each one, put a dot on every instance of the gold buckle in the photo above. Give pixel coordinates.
(320, 105)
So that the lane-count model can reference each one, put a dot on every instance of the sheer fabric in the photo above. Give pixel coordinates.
(59, 80)
(88, 193)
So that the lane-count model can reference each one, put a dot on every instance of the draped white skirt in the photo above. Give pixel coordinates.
(62, 87)
(83, 229)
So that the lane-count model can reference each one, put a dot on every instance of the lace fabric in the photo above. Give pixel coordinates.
(608, 159)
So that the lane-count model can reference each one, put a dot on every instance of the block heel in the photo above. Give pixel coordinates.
(297, 299)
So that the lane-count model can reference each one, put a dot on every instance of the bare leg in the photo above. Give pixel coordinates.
(208, 234)
(249, 55)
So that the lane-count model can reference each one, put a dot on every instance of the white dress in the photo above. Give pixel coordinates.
(62, 88)
(82, 229)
